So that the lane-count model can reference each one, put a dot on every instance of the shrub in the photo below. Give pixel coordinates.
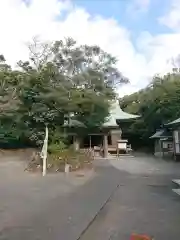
(56, 148)
(76, 159)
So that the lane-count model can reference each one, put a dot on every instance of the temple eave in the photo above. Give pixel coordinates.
(129, 118)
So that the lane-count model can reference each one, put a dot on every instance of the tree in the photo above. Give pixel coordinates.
(157, 104)
(60, 79)
(92, 75)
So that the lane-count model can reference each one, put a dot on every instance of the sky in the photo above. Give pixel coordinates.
(144, 35)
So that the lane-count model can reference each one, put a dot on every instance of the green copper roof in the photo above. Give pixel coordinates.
(116, 113)
(163, 133)
(177, 121)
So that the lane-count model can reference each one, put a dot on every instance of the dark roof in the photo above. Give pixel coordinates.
(163, 133)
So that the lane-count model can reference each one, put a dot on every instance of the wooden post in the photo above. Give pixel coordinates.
(117, 149)
(90, 143)
(105, 145)
(162, 149)
(76, 143)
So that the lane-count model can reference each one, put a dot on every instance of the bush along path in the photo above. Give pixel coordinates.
(59, 158)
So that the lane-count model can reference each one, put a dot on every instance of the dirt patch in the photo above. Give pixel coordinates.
(21, 154)
(28, 160)
(73, 160)
(14, 161)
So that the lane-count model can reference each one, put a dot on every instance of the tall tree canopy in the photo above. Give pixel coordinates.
(59, 79)
(157, 104)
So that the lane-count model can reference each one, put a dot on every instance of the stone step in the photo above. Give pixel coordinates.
(177, 191)
(176, 182)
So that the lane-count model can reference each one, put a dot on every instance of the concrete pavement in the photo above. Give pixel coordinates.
(144, 202)
(123, 196)
(65, 216)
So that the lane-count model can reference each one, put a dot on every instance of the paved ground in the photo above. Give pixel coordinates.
(143, 202)
(24, 195)
(54, 213)
(122, 196)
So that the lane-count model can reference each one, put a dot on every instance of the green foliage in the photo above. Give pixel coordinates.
(76, 159)
(55, 148)
(60, 79)
(57, 143)
(157, 104)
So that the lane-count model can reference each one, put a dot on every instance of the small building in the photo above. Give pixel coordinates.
(109, 134)
(175, 128)
(163, 143)
(112, 128)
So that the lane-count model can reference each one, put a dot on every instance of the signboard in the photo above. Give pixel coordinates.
(122, 146)
(165, 145)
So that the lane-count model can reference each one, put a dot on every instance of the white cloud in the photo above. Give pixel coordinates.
(20, 22)
(172, 18)
(159, 50)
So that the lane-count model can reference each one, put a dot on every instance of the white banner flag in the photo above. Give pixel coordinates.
(44, 152)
